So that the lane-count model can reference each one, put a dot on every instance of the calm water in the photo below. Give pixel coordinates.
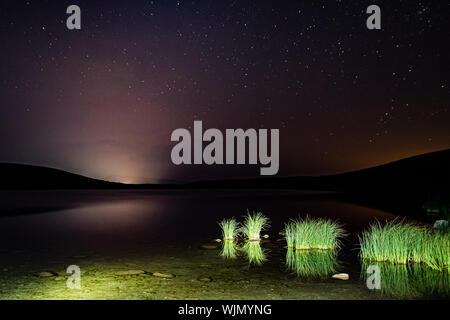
(173, 232)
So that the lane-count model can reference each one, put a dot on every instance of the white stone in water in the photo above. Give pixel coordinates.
(341, 276)
(440, 224)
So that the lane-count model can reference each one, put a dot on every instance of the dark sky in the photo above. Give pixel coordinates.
(102, 101)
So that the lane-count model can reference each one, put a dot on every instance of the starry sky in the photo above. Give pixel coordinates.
(103, 101)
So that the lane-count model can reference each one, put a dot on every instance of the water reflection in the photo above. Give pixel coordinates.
(311, 263)
(255, 254)
(229, 249)
(410, 281)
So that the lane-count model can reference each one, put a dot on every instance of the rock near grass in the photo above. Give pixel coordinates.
(130, 272)
(46, 274)
(440, 224)
(341, 276)
(205, 279)
(209, 247)
(163, 275)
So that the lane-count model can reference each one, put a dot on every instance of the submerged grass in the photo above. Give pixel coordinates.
(229, 228)
(400, 243)
(309, 233)
(253, 225)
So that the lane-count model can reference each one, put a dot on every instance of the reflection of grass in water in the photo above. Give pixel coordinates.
(229, 250)
(254, 252)
(432, 281)
(290, 259)
(310, 233)
(253, 225)
(229, 228)
(400, 242)
(410, 281)
(311, 263)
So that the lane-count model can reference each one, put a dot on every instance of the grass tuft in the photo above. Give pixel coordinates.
(309, 233)
(399, 242)
(289, 233)
(229, 228)
(253, 225)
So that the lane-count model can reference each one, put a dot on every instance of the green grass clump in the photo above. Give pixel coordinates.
(253, 225)
(312, 233)
(229, 228)
(289, 233)
(434, 251)
(401, 243)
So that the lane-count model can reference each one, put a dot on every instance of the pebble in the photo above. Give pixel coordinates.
(130, 272)
(205, 279)
(341, 276)
(209, 247)
(46, 274)
(163, 275)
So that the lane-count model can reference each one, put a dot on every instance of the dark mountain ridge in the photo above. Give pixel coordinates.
(425, 173)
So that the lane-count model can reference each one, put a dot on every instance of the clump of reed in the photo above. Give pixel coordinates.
(309, 233)
(399, 242)
(253, 225)
(289, 233)
(230, 228)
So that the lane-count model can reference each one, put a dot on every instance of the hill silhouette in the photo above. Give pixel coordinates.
(426, 173)
(22, 176)
(401, 187)
(423, 173)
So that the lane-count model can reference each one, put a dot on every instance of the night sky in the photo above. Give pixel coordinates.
(103, 101)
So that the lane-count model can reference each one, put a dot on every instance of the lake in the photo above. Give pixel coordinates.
(162, 244)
